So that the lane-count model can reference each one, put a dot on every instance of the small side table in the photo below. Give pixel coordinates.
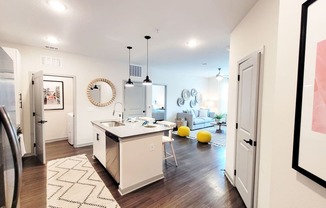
(219, 130)
(181, 123)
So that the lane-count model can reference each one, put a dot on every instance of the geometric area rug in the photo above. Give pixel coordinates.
(73, 182)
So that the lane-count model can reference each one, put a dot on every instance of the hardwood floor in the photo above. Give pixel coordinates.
(198, 181)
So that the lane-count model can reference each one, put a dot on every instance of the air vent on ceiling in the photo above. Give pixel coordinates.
(135, 71)
(51, 61)
(51, 48)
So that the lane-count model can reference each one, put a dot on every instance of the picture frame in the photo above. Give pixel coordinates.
(53, 95)
(309, 142)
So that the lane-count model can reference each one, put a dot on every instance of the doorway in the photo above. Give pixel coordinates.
(135, 100)
(159, 102)
(57, 116)
(247, 134)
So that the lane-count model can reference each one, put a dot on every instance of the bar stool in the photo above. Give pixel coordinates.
(168, 139)
(167, 155)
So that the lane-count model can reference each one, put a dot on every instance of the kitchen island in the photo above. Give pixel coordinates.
(131, 153)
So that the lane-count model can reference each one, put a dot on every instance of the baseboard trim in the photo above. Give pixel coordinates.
(228, 177)
(139, 185)
(83, 145)
(56, 140)
(28, 155)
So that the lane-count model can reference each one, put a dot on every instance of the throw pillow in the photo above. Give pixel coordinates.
(203, 113)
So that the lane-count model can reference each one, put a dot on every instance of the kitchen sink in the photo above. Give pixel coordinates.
(112, 123)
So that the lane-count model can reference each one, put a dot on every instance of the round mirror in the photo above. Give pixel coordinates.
(101, 92)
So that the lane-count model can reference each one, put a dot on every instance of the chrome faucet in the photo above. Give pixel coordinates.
(120, 112)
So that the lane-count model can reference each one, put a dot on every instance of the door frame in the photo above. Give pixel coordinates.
(259, 116)
(146, 96)
(165, 97)
(34, 118)
(74, 101)
(73, 77)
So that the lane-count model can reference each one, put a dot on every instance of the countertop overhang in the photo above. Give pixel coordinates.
(130, 129)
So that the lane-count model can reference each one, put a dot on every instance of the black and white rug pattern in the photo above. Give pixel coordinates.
(73, 182)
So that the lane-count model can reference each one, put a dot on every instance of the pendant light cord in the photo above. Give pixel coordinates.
(147, 81)
(129, 62)
(147, 57)
(147, 38)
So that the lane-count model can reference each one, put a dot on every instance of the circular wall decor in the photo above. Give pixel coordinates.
(180, 101)
(192, 103)
(193, 92)
(108, 93)
(185, 94)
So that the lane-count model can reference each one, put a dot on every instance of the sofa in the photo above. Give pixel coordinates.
(197, 119)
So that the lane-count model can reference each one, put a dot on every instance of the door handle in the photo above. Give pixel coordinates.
(97, 137)
(42, 121)
(248, 141)
(144, 111)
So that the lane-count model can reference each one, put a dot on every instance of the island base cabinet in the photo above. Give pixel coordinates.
(99, 144)
(140, 161)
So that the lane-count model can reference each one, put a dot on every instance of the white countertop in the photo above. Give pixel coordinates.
(130, 129)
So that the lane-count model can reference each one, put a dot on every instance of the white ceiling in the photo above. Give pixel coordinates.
(104, 28)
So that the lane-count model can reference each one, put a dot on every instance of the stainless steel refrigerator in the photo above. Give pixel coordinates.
(10, 154)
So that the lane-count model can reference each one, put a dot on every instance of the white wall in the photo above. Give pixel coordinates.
(56, 127)
(176, 82)
(85, 69)
(288, 187)
(275, 25)
(257, 29)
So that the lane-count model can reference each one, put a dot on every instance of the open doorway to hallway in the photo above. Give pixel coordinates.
(159, 102)
(60, 121)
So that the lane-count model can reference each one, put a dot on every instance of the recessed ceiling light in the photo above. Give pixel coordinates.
(52, 40)
(192, 43)
(57, 5)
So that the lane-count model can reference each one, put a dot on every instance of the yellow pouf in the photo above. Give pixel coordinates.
(183, 131)
(204, 136)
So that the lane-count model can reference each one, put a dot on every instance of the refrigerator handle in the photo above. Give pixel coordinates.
(16, 154)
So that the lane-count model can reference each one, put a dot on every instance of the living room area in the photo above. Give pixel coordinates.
(195, 102)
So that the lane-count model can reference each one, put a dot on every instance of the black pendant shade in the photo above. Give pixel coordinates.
(129, 83)
(147, 81)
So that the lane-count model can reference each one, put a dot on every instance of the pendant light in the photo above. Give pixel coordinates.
(129, 83)
(147, 81)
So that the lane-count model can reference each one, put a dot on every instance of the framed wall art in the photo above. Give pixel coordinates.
(53, 95)
(310, 115)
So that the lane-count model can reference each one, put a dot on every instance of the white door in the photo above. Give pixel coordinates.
(39, 115)
(247, 127)
(135, 100)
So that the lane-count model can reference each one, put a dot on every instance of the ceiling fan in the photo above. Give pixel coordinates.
(220, 76)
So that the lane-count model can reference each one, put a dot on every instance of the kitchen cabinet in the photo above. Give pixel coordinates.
(99, 144)
(133, 152)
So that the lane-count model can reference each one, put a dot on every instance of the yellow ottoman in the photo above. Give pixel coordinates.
(204, 136)
(183, 131)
